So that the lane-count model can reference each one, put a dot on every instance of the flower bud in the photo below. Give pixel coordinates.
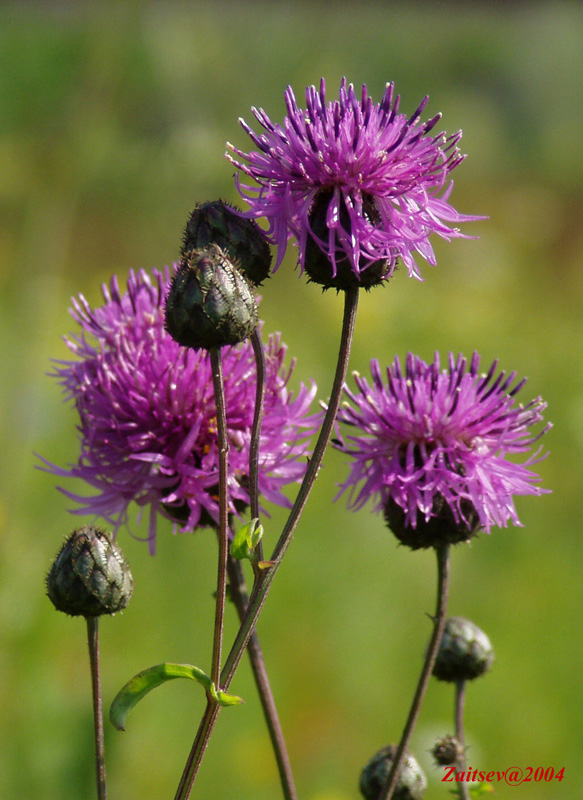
(447, 751)
(410, 786)
(90, 575)
(465, 652)
(440, 528)
(241, 239)
(210, 304)
(318, 265)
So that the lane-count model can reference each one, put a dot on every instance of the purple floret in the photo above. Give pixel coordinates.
(148, 419)
(429, 433)
(381, 170)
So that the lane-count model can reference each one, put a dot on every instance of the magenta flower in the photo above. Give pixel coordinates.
(358, 179)
(147, 413)
(430, 436)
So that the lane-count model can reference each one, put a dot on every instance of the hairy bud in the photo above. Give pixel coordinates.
(447, 751)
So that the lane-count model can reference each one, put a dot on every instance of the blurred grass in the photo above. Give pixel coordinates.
(113, 121)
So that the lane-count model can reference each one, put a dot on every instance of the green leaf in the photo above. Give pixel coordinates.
(246, 539)
(146, 680)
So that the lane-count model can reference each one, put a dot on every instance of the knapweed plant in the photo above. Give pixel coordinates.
(184, 407)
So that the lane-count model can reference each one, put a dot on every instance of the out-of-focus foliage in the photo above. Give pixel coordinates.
(113, 123)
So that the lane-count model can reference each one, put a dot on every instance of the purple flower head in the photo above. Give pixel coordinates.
(430, 436)
(359, 179)
(148, 418)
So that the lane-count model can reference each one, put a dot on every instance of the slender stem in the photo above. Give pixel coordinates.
(217, 369)
(460, 695)
(240, 598)
(93, 642)
(256, 432)
(262, 586)
(442, 552)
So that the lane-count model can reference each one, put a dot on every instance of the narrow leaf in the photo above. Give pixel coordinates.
(146, 680)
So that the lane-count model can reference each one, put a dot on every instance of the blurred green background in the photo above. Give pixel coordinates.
(114, 120)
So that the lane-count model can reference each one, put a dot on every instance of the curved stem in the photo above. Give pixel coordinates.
(217, 369)
(263, 584)
(256, 432)
(460, 694)
(93, 642)
(240, 598)
(442, 552)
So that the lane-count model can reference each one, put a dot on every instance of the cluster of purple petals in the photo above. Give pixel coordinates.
(427, 432)
(148, 418)
(359, 152)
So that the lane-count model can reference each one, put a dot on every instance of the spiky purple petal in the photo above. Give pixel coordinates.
(358, 151)
(148, 419)
(426, 432)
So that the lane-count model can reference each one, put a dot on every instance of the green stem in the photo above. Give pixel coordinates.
(93, 642)
(442, 552)
(263, 584)
(241, 599)
(460, 693)
(217, 369)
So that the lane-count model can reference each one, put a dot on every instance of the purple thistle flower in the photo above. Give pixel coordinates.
(377, 172)
(431, 435)
(147, 413)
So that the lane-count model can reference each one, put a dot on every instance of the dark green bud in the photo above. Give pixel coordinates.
(439, 529)
(318, 265)
(410, 786)
(447, 751)
(210, 304)
(465, 652)
(89, 576)
(241, 239)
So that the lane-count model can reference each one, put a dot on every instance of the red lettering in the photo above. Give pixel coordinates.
(447, 776)
(482, 777)
(489, 776)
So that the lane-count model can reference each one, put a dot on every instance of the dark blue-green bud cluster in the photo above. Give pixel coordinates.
(465, 652)
(410, 786)
(90, 575)
(210, 303)
(240, 239)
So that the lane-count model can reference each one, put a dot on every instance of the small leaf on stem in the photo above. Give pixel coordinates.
(246, 540)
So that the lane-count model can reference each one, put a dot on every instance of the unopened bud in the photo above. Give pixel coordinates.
(210, 304)
(410, 786)
(90, 575)
(447, 751)
(465, 652)
(241, 239)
